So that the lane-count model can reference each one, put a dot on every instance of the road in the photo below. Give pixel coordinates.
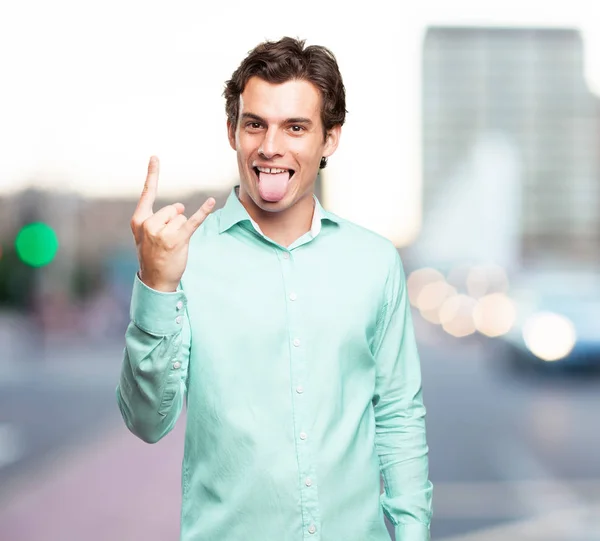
(511, 457)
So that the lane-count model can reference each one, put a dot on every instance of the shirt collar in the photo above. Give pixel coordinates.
(234, 212)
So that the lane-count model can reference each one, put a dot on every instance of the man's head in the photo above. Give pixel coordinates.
(285, 107)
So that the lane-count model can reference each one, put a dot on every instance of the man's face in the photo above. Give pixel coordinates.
(279, 142)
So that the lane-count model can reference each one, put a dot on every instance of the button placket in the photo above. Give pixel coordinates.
(306, 482)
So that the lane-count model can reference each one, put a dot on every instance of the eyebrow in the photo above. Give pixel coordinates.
(294, 120)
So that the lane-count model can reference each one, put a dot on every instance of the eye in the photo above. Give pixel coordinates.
(253, 125)
(297, 129)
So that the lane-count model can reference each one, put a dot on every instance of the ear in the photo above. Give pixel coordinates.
(231, 135)
(332, 140)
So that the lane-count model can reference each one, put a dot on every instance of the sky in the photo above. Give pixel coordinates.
(89, 91)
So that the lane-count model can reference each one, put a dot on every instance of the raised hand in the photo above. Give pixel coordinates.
(162, 238)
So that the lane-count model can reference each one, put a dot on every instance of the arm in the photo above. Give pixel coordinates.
(152, 386)
(153, 378)
(400, 415)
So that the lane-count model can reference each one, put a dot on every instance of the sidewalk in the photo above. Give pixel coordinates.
(107, 487)
(115, 488)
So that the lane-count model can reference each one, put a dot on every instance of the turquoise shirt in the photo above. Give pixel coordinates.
(302, 383)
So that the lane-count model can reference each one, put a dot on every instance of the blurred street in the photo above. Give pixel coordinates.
(510, 456)
(472, 143)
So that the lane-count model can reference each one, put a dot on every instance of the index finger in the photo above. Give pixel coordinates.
(148, 196)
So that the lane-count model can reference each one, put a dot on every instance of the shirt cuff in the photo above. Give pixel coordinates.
(412, 532)
(157, 312)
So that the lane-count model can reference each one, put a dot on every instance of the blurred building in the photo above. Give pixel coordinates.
(96, 246)
(511, 147)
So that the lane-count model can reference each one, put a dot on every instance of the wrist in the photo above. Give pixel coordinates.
(157, 285)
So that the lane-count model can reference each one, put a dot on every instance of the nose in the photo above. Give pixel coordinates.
(272, 144)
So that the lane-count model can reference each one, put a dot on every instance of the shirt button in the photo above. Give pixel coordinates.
(312, 528)
(293, 296)
(299, 389)
(178, 320)
(176, 365)
(296, 342)
(286, 255)
(303, 435)
(308, 482)
(179, 305)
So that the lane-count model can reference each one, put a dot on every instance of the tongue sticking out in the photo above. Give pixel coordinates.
(272, 186)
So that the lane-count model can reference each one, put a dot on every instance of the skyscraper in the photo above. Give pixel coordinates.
(507, 114)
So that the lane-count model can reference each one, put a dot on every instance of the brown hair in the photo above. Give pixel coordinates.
(285, 60)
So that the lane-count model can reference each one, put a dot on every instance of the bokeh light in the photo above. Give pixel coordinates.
(486, 279)
(456, 315)
(418, 279)
(433, 295)
(36, 244)
(549, 336)
(457, 276)
(472, 297)
(494, 314)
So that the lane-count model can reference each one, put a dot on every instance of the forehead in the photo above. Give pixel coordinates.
(278, 101)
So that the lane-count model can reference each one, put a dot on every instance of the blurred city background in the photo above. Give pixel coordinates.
(472, 141)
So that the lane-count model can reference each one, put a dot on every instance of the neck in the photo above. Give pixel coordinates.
(283, 227)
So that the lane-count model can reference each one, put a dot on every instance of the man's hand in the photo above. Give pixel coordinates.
(162, 238)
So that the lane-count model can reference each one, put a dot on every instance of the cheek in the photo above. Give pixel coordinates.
(306, 155)
(308, 158)
(246, 146)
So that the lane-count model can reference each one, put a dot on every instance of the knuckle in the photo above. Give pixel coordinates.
(149, 230)
(169, 244)
(135, 224)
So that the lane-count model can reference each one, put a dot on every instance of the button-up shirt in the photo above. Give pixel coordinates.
(301, 378)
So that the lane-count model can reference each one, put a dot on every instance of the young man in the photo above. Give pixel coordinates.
(285, 328)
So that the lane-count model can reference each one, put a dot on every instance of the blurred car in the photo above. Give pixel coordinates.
(558, 321)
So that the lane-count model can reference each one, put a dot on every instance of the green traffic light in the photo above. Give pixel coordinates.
(36, 244)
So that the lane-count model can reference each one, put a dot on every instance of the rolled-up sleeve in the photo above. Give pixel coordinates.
(400, 415)
(152, 385)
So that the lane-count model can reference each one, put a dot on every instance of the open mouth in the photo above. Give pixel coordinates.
(273, 182)
(272, 170)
